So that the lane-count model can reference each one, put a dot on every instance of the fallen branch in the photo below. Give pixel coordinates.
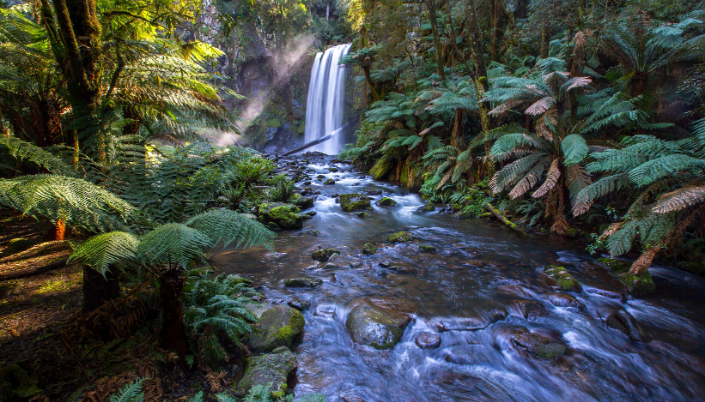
(33, 271)
(503, 219)
(315, 142)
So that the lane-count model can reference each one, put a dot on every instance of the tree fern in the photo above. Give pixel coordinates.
(104, 250)
(131, 392)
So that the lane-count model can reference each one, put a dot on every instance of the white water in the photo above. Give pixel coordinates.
(324, 105)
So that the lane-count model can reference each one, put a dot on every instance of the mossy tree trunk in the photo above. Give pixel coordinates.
(480, 77)
(431, 4)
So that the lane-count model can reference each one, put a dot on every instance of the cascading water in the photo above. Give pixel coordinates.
(324, 106)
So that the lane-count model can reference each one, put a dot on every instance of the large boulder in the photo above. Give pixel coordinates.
(638, 285)
(562, 279)
(277, 369)
(301, 202)
(622, 321)
(279, 326)
(564, 300)
(285, 216)
(541, 346)
(377, 327)
(354, 202)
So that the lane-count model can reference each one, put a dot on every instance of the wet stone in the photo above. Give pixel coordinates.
(302, 282)
(326, 311)
(622, 321)
(377, 327)
(301, 305)
(329, 182)
(638, 285)
(355, 264)
(427, 249)
(540, 346)
(564, 300)
(400, 237)
(369, 249)
(354, 202)
(323, 254)
(428, 340)
(386, 202)
(562, 279)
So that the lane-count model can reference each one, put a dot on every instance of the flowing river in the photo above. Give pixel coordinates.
(482, 271)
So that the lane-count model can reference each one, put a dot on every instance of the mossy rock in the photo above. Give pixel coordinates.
(354, 202)
(563, 279)
(427, 249)
(543, 347)
(302, 282)
(363, 214)
(400, 237)
(571, 233)
(622, 321)
(329, 182)
(369, 249)
(380, 170)
(455, 207)
(386, 202)
(286, 216)
(323, 254)
(697, 268)
(302, 202)
(429, 207)
(638, 285)
(372, 326)
(333, 169)
(18, 245)
(276, 369)
(279, 326)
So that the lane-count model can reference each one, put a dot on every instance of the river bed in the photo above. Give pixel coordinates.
(481, 268)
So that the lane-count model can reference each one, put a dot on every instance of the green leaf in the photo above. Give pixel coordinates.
(575, 149)
(102, 251)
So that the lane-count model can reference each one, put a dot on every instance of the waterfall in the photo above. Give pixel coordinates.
(324, 106)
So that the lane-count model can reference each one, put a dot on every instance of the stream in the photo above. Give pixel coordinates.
(482, 269)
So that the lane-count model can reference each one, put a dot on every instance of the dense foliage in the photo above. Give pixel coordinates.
(546, 106)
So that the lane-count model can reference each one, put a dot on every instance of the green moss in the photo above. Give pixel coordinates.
(400, 237)
(286, 216)
(386, 201)
(369, 249)
(638, 285)
(354, 202)
(563, 279)
(572, 233)
(429, 207)
(404, 176)
(427, 249)
(382, 167)
(323, 254)
(329, 182)
(17, 245)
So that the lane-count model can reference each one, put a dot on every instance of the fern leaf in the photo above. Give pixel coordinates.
(229, 226)
(680, 199)
(585, 198)
(554, 173)
(664, 166)
(131, 392)
(173, 243)
(107, 249)
(575, 149)
(528, 181)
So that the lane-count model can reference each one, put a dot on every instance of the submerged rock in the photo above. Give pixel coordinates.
(562, 278)
(285, 216)
(377, 327)
(277, 369)
(622, 321)
(299, 304)
(400, 237)
(279, 326)
(329, 182)
(427, 249)
(428, 340)
(540, 346)
(302, 282)
(638, 285)
(564, 300)
(369, 249)
(354, 202)
(323, 254)
(386, 202)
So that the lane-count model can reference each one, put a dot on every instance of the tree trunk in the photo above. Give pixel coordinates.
(59, 230)
(431, 4)
(366, 71)
(173, 332)
(521, 11)
(639, 81)
(545, 40)
(456, 138)
(480, 77)
(98, 289)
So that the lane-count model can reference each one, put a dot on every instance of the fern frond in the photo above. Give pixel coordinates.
(554, 173)
(585, 198)
(131, 392)
(664, 166)
(680, 199)
(107, 249)
(173, 243)
(575, 149)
